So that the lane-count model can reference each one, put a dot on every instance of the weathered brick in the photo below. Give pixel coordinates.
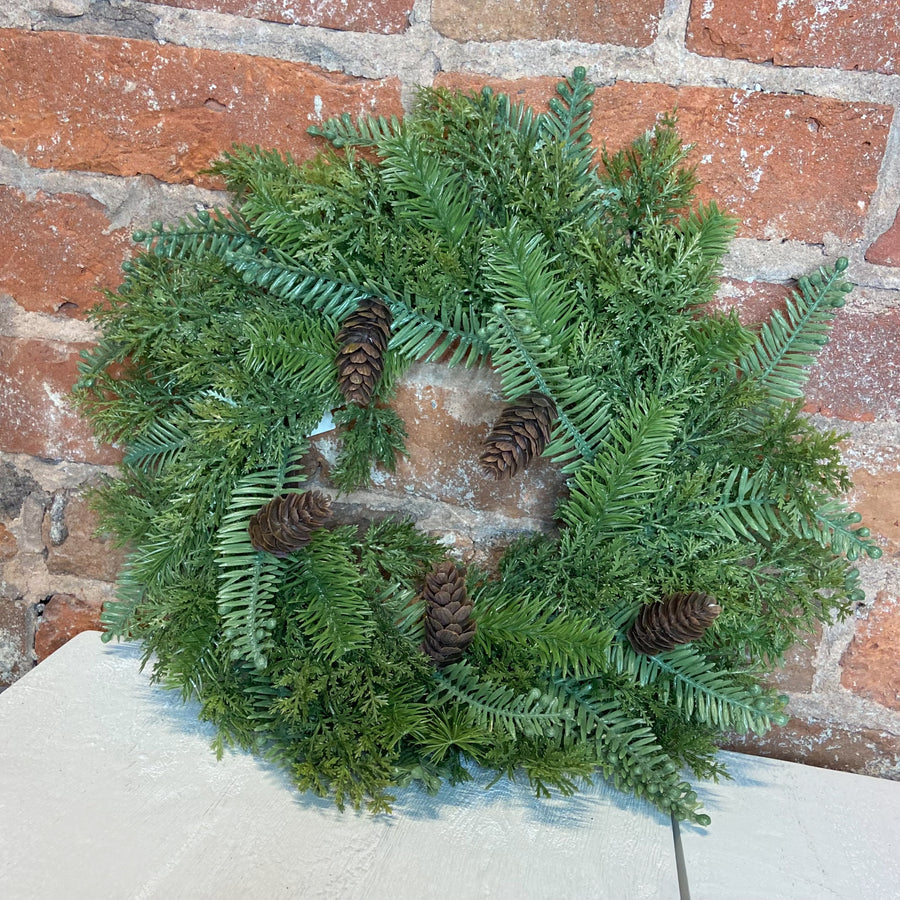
(15, 487)
(753, 300)
(16, 630)
(876, 497)
(376, 16)
(799, 668)
(791, 167)
(864, 34)
(448, 413)
(856, 374)
(631, 24)
(130, 107)
(827, 744)
(870, 665)
(59, 250)
(38, 419)
(9, 546)
(885, 250)
(64, 616)
(82, 552)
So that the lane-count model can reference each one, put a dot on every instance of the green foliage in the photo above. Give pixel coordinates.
(372, 432)
(789, 341)
(493, 235)
(249, 578)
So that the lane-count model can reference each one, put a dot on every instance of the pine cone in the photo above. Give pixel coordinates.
(449, 628)
(676, 619)
(362, 340)
(521, 432)
(286, 523)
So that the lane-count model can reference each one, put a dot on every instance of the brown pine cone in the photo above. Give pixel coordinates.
(362, 342)
(449, 627)
(521, 432)
(676, 619)
(286, 523)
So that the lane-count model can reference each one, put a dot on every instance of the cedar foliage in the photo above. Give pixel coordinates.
(492, 235)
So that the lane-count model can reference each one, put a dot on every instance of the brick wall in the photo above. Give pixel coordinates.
(111, 109)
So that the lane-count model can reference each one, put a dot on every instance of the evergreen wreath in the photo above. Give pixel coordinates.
(699, 535)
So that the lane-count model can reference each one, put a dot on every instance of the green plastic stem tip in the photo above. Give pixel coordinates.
(841, 264)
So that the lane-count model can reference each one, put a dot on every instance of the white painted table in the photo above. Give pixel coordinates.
(108, 789)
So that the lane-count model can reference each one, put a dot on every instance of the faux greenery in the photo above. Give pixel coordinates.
(495, 237)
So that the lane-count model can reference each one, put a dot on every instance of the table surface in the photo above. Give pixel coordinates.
(109, 789)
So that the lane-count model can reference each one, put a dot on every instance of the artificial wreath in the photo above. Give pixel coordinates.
(698, 534)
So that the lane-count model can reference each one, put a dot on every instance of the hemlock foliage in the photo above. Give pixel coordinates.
(494, 236)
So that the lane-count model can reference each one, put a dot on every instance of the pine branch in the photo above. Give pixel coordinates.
(198, 235)
(414, 334)
(297, 349)
(609, 493)
(746, 509)
(324, 590)
(249, 580)
(649, 182)
(705, 234)
(245, 168)
(298, 283)
(495, 706)
(372, 435)
(563, 643)
(397, 550)
(157, 446)
(419, 335)
(367, 131)
(525, 360)
(628, 751)
(789, 342)
(699, 691)
(569, 119)
(522, 276)
(119, 617)
(428, 192)
(831, 525)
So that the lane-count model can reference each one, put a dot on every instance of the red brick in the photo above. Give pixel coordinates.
(57, 251)
(38, 419)
(631, 24)
(377, 16)
(864, 34)
(876, 497)
(127, 107)
(8, 544)
(84, 553)
(870, 664)
(827, 744)
(885, 251)
(790, 167)
(64, 616)
(446, 424)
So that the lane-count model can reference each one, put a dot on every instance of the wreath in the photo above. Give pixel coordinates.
(698, 536)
